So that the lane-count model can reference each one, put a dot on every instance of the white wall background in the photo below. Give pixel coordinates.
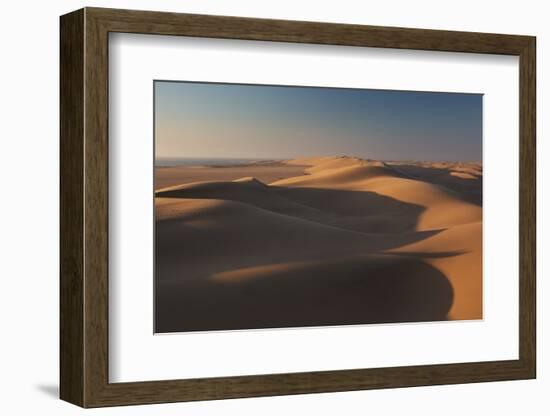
(29, 210)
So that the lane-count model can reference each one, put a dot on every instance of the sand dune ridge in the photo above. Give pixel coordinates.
(390, 241)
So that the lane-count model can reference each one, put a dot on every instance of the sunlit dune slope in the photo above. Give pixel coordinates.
(441, 207)
(350, 241)
(226, 265)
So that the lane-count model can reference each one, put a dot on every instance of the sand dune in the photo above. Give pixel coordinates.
(448, 175)
(347, 177)
(441, 207)
(327, 164)
(463, 271)
(266, 172)
(347, 241)
(463, 175)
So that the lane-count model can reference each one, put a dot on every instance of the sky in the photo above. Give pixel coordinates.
(214, 120)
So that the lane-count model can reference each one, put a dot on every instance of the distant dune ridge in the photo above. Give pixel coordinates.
(325, 241)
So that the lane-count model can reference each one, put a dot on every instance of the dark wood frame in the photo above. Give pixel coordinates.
(84, 207)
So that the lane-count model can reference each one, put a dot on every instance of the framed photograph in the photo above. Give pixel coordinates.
(255, 207)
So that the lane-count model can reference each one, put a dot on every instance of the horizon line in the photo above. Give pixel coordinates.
(314, 156)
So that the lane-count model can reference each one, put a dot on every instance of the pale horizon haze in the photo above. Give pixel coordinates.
(216, 120)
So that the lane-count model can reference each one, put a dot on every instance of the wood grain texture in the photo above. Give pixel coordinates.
(96, 146)
(84, 207)
(527, 214)
(162, 23)
(72, 215)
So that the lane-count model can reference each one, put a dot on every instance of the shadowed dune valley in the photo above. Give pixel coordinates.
(333, 240)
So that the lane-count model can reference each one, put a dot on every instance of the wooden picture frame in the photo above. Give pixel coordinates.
(84, 207)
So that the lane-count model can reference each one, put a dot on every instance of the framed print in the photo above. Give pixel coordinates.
(255, 207)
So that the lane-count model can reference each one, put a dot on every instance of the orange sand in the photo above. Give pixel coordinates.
(317, 241)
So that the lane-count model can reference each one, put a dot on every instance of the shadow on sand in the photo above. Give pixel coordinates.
(469, 190)
(309, 257)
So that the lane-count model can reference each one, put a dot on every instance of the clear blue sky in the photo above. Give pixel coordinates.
(256, 121)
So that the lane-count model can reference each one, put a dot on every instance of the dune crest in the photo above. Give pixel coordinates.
(463, 175)
(442, 207)
(346, 241)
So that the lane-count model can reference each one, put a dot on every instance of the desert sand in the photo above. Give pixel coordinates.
(317, 241)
